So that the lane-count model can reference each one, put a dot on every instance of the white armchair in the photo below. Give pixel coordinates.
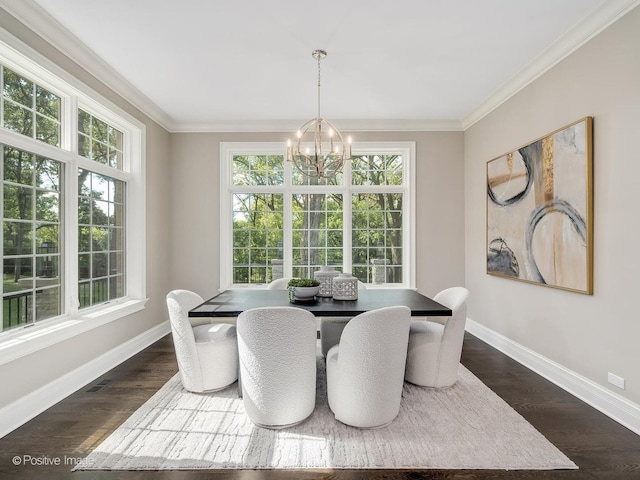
(279, 284)
(277, 348)
(207, 354)
(365, 371)
(434, 351)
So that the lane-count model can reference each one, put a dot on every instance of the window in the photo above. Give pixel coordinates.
(282, 223)
(317, 232)
(378, 218)
(257, 235)
(101, 275)
(72, 194)
(32, 280)
(29, 109)
(99, 141)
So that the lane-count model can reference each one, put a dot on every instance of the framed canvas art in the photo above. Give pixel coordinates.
(540, 211)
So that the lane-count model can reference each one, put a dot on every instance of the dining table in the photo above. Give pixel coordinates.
(232, 302)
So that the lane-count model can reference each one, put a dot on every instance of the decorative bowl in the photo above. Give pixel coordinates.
(306, 293)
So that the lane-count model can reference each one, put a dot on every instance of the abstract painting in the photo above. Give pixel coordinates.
(540, 212)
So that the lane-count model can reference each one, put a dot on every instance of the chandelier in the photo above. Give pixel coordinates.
(320, 150)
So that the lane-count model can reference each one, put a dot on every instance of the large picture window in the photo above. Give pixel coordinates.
(284, 224)
(70, 167)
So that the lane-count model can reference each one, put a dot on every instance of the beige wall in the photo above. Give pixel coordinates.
(590, 335)
(195, 212)
(27, 374)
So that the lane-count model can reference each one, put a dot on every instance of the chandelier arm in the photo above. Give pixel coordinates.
(346, 147)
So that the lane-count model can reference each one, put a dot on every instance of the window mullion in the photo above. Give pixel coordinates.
(287, 240)
(70, 207)
(69, 126)
(71, 237)
(347, 227)
(105, 170)
(287, 222)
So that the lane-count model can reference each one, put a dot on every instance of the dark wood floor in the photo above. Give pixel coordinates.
(71, 429)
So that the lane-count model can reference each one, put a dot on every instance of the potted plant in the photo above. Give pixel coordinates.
(304, 289)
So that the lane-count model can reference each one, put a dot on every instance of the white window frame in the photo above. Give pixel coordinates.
(25, 61)
(230, 149)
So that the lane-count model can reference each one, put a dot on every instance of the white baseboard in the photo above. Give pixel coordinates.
(21, 411)
(611, 404)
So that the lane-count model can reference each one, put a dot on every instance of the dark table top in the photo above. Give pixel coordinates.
(231, 303)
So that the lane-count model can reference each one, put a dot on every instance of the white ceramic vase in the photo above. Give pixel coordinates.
(345, 287)
(325, 276)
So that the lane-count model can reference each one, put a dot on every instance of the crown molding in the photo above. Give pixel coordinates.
(585, 30)
(40, 22)
(353, 125)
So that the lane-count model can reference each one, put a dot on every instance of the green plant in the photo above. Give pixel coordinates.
(303, 282)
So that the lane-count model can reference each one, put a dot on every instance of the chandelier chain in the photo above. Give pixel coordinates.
(319, 58)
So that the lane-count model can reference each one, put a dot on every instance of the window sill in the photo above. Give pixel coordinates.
(32, 339)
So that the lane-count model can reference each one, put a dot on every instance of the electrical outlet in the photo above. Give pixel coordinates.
(616, 380)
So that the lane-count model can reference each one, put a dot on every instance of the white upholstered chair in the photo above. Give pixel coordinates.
(279, 284)
(207, 354)
(434, 351)
(365, 371)
(331, 328)
(277, 348)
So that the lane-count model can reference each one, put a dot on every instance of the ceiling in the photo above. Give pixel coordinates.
(247, 64)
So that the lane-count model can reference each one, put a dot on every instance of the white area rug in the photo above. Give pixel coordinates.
(465, 426)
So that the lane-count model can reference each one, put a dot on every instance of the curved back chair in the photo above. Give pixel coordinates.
(331, 328)
(365, 371)
(434, 351)
(207, 354)
(279, 284)
(277, 348)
